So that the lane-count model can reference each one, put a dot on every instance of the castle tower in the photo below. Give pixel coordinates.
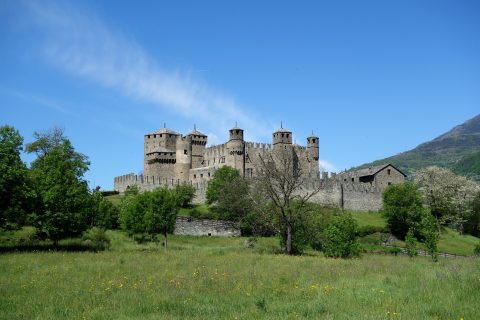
(313, 153)
(236, 150)
(159, 152)
(198, 143)
(183, 162)
(282, 137)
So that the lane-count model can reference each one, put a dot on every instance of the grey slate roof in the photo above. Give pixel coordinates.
(166, 130)
(370, 171)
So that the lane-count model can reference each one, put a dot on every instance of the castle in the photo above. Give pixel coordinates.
(171, 159)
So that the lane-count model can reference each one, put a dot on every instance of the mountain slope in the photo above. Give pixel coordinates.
(457, 149)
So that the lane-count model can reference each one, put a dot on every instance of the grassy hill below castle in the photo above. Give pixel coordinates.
(457, 149)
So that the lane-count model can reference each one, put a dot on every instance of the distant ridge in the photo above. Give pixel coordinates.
(457, 149)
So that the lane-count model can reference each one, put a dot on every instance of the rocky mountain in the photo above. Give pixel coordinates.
(457, 149)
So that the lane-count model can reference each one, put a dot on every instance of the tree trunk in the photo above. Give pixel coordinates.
(165, 234)
(289, 239)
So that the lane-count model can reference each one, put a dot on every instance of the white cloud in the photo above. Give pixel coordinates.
(80, 43)
(327, 166)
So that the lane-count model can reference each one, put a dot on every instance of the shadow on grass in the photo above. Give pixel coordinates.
(47, 247)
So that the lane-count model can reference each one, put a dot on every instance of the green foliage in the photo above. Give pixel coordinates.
(403, 208)
(367, 230)
(430, 234)
(228, 192)
(341, 237)
(410, 243)
(104, 213)
(151, 212)
(97, 238)
(15, 190)
(65, 204)
(185, 194)
(472, 223)
(476, 250)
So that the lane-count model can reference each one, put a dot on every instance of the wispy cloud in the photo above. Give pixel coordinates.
(80, 43)
(35, 99)
(326, 166)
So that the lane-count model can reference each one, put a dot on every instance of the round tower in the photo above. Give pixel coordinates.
(313, 152)
(183, 162)
(282, 137)
(236, 150)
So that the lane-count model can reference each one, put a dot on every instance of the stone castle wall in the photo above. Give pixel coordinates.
(333, 192)
(204, 227)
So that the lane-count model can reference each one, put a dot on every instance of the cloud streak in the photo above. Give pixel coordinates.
(83, 45)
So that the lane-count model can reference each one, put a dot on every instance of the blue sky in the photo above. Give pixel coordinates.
(371, 78)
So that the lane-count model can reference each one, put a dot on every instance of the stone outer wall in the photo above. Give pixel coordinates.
(204, 227)
(348, 195)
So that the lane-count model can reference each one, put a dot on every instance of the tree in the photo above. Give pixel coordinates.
(64, 199)
(410, 243)
(104, 213)
(15, 190)
(472, 224)
(430, 234)
(151, 213)
(403, 208)
(185, 194)
(162, 214)
(447, 195)
(276, 191)
(46, 141)
(228, 193)
(340, 237)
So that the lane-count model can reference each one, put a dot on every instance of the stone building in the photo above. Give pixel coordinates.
(170, 156)
(380, 176)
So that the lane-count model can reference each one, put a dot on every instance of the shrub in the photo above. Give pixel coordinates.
(341, 237)
(366, 230)
(410, 243)
(96, 238)
(403, 208)
(185, 194)
(476, 250)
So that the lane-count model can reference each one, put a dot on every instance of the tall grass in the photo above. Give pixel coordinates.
(218, 278)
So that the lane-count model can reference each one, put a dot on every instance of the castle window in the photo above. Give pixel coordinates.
(194, 176)
(353, 179)
(388, 171)
(288, 135)
(283, 135)
(148, 136)
(160, 135)
(184, 151)
(209, 174)
(313, 140)
(389, 183)
(201, 175)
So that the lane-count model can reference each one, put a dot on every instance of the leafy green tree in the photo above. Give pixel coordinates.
(472, 223)
(15, 190)
(64, 199)
(151, 213)
(228, 192)
(340, 237)
(403, 208)
(104, 213)
(185, 194)
(161, 215)
(410, 243)
(430, 234)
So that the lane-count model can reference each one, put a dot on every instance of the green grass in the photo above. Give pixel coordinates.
(370, 218)
(115, 199)
(217, 278)
(202, 210)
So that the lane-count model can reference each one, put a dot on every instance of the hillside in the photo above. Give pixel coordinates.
(457, 149)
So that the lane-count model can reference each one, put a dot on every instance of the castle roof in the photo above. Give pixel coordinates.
(281, 129)
(195, 132)
(236, 128)
(312, 135)
(371, 171)
(166, 130)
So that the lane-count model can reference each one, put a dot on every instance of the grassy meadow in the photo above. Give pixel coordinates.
(218, 278)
